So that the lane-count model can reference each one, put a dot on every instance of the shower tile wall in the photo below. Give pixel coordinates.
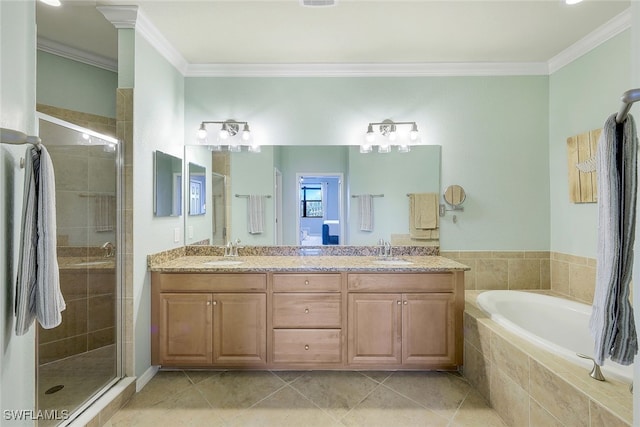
(100, 124)
(573, 276)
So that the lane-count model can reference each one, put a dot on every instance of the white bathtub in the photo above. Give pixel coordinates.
(556, 324)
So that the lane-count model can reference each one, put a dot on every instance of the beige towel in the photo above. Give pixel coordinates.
(423, 211)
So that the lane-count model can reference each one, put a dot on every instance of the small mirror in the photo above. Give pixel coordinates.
(454, 195)
(167, 185)
(197, 189)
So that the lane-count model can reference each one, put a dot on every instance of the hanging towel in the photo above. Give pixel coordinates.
(255, 209)
(38, 294)
(612, 324)
(105, 212)
(423, 216)
(365, 212)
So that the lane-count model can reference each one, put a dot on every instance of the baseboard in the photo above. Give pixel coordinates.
(146, 377)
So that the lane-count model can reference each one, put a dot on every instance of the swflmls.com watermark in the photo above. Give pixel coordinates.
(31, 415)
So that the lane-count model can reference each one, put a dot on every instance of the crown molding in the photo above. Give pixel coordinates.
(368, 70)
(120, 16)
(151, 33)
(78, 55)
(606, 31)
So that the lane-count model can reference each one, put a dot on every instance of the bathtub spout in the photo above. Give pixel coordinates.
(595, 373)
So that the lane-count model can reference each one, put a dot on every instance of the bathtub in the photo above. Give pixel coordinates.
(556, 324)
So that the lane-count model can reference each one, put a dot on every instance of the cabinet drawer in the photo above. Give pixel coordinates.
(211, 282)
(306, 282)
(401, 282)
(307, 345)
(307, 310)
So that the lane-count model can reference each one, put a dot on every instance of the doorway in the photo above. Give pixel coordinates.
(320, 216)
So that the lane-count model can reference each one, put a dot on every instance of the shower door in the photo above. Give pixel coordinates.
(78, 360)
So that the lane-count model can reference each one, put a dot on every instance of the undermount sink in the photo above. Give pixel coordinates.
(392, 261)
(83, 264)
(223, 262)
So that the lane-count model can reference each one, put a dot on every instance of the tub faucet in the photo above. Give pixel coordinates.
(595, 373)
(109, 250)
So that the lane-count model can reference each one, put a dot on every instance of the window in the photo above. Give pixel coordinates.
(311, 202)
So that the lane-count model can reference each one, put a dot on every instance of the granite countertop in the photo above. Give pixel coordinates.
(218, 264)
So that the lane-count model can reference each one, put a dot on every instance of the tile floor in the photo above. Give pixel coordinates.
(305, 398)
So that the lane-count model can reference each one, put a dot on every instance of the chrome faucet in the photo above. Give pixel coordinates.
(384, 248)
(595, 373)
(109, 250)
(231, 249)
(387, 249)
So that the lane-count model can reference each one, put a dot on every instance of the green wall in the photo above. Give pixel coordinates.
(493, 132)
(158, 116)
(76, 86)
(17, 102)
(581, 96)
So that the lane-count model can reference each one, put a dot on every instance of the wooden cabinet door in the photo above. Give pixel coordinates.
(374, 328)
(185, 329)
(428, 328)
(240, 329)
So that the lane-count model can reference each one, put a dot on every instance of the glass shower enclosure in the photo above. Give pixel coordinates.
(81, 358)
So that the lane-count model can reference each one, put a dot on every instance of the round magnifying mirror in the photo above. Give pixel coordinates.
(454, 195)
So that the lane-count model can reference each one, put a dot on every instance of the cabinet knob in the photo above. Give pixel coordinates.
(399, 302)
(405, 302)
(306, 310)
(215, 303)
(208, 302)
(306, 347)
(306, 282)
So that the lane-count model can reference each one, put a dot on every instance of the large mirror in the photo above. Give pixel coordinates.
(313, 195)
(167, 185)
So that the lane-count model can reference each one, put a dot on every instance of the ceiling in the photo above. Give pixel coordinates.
(352, 32)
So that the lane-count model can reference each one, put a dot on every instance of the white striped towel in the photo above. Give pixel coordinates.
(365, 213)
(612, 324)
(38, 294)
(105, 212)
(255, 210)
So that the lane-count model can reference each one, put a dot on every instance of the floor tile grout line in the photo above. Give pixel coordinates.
(378, 385)
(459, 406)
(314, 403)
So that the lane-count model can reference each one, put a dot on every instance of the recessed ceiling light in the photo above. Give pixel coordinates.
(52, 2)
(318, 3)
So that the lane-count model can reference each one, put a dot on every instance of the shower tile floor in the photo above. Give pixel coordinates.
(306, 398)
(81, 375)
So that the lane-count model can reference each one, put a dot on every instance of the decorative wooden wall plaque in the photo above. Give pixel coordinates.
(582, 185)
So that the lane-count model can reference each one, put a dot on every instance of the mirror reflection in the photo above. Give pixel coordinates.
(454, 195)
(197, 189)
(294, 215)
(167, 185)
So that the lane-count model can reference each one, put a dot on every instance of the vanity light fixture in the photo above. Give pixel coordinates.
(388, 133)
(229, 136)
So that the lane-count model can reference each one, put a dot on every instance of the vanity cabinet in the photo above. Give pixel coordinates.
(419, 327)
(307, 319)
(191, 327)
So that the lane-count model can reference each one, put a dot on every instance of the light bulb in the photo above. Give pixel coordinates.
(370, 136)
(384, 149)
(413, 134)
(246, 133)
(202, 132)
(224, 132)
(254, 148)
(404, 148)
(393, 135)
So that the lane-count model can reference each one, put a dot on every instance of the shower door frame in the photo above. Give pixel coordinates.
(119, 259)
